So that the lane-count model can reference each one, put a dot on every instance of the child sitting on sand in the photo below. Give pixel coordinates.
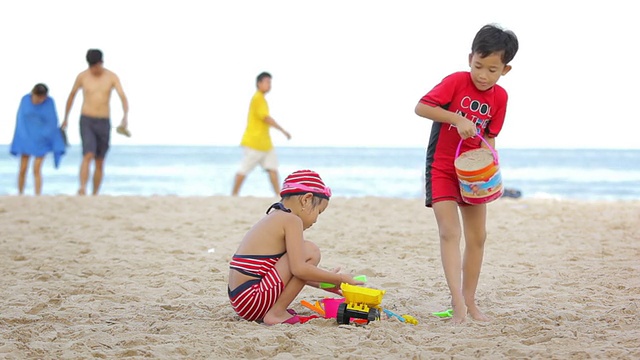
(274, 262)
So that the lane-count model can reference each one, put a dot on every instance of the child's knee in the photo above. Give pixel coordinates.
(476, 238)
(313, 252)
(450, 234)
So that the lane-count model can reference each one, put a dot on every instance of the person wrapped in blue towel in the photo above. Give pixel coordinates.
(36, 134)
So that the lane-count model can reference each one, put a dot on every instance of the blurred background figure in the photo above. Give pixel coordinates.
(256, 140)
(36, 134)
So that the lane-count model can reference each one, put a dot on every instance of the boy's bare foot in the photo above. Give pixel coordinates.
(459, 313)
(82, 192)
(476, 314)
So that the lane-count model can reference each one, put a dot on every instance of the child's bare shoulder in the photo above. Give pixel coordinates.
(285, 219)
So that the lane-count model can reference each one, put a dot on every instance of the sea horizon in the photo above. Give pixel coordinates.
(397, 172)
(78, 145)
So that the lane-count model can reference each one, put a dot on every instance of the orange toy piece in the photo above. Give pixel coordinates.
(317, 308)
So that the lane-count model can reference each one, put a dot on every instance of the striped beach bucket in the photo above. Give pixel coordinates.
(479, 175)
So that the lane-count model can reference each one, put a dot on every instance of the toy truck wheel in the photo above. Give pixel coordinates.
(342, 315)
(374, 314)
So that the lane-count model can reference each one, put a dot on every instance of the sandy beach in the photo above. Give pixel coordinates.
(136, 277)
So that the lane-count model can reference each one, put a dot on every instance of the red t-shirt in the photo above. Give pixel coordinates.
(458, 94)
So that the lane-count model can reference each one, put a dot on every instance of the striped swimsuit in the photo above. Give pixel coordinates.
(254, 298)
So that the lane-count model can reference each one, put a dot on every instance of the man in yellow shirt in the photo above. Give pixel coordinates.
(256, 140)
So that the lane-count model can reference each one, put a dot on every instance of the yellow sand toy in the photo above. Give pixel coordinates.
(360, 303)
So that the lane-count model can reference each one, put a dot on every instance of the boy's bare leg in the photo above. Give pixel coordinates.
(449, 230)
(237, 184)
(22, 173)
(275, 182)
(37, 174)
(84, 173)
(97, 175)
(475, 233)
(293, 285)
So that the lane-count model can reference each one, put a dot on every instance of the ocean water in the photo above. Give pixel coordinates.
(350, 172)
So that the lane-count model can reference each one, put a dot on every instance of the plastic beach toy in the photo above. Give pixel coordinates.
(360, 303)
(331, 307)
(404, 318)
(362, 278)
(478, 174)
(444, 314)
(314, 307)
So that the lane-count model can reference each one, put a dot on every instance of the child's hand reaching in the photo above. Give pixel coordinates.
(344, 278)
(350, 280)
(335, 289)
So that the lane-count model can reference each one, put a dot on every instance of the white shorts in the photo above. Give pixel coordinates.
(267, 160)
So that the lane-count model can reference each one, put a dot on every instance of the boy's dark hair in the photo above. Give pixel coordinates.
(263, 75)
(493, 39)
(40, 89)
(94, 56)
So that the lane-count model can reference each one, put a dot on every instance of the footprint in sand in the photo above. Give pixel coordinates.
(36, 309)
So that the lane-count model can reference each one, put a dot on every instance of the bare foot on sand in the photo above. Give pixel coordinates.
(476, 314)
(272, 317)
(82, 192)
(459, 313)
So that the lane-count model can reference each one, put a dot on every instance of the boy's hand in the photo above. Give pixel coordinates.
(466, 128)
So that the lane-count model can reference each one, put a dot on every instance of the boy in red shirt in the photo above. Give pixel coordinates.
(465, 105)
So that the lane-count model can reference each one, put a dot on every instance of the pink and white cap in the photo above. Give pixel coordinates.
(305, 181)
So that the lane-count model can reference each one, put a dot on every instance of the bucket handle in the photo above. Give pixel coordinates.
(493, 151)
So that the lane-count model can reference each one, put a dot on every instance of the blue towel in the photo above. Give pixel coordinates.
(37, 132)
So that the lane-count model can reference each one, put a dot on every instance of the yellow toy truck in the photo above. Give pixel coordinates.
(360, 303)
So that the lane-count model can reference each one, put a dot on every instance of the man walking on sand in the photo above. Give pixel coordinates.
(97, 84)
(256, 140)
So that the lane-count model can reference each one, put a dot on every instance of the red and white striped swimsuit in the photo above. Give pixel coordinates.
(254, 298)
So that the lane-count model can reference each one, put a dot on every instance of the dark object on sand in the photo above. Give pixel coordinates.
(512, 193)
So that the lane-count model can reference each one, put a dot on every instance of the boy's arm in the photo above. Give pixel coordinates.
(76, 86)
(269, 120)
(491, 141)
(466, 128)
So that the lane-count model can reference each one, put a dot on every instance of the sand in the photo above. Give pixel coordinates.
(118, 277)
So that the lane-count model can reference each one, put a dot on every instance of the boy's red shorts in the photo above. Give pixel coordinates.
(442, 186)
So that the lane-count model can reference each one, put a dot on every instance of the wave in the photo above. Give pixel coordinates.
(571, 174)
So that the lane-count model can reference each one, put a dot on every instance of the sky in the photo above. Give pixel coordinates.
(345, 73)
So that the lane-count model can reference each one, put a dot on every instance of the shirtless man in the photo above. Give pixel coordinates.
(95, 125)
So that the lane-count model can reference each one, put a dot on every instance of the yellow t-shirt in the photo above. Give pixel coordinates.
(256, 135)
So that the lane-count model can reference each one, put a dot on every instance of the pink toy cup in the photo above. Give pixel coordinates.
(331, 307)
